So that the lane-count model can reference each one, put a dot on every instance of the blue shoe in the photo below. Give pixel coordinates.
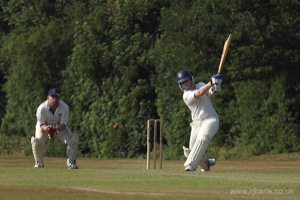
(212, 161)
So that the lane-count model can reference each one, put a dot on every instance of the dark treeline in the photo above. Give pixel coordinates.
(116, 62)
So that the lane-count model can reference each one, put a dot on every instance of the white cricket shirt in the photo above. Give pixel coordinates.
(45, 116)
(200, 108)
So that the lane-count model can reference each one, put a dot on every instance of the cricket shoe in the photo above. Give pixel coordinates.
(212, 161)
(38, 165)
(189, 168)
(208, 163)
(72, 165)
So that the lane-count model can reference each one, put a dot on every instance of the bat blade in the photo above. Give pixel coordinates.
(224, 53)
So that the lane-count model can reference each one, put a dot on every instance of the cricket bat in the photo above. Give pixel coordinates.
(224, 53)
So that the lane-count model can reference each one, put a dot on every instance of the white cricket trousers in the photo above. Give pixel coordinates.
(202, 132)
(63, 136)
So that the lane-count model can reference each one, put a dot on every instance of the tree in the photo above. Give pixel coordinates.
(116, 62)
(256, 60)
(110, 77)
(36, 52)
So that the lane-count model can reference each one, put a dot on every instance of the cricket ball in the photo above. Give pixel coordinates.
(115, 126)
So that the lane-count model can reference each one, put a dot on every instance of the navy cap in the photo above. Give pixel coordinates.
(53, 92)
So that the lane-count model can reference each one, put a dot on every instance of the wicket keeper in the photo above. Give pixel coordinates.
(52, 122)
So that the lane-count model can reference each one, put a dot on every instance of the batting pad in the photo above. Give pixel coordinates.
(38, 150)
(196, 154)
(72, 149)
(186, 151)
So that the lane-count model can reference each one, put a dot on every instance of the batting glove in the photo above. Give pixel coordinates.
(216, 81)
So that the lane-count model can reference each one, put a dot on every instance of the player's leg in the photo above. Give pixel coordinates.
(206, 162)
(205, 133)
(195, 126)
(72, 152)
(212, 162)
(38, 147)
(71, 140)
(195, 155)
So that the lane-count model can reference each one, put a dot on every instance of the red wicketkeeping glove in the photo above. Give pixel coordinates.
(52, 132)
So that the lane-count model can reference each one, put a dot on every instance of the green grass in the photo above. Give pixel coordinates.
(264, 177)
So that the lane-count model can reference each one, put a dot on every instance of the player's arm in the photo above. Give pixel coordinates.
(216, 82)
(61, 127)
(64, 118)
(50, 130)
(44, 127)
(41, 118)
(202, 90)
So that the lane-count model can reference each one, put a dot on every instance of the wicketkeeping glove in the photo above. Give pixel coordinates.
(52, 131)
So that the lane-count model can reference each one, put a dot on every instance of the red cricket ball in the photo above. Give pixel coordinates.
(115, 126)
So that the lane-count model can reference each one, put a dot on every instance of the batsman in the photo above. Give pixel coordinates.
(205, 118)
(52, 119)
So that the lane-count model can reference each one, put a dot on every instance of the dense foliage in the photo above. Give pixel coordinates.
(116, 62)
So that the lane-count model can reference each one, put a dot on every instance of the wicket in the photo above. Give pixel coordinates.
(154, 122)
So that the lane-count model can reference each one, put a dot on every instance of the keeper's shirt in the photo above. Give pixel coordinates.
(45, 116)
